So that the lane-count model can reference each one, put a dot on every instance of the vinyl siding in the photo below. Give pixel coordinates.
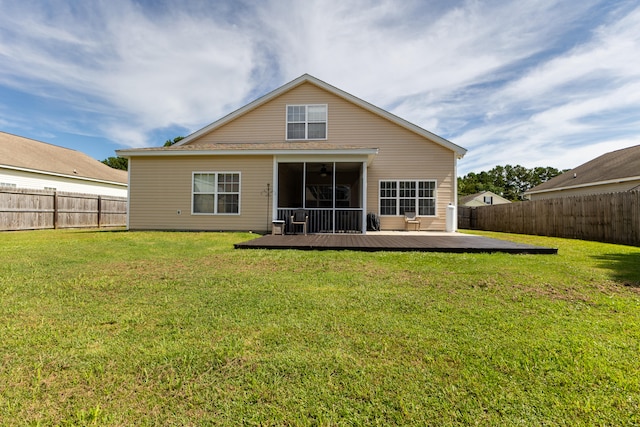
(584, 191)
(24, 179)
(162, 186)
(402, 154)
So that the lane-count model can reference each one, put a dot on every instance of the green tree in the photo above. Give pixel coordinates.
(169, 143)
(117, 163)
(507, 181)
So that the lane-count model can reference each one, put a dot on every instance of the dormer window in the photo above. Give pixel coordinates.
(307, 121)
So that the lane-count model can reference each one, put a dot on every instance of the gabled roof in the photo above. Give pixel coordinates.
(466, 199)
(29, 155)
(306, 78)
(614, 167)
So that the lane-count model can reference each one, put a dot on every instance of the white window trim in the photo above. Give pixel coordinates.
(417, 198)
(306, 127)
(215, 205)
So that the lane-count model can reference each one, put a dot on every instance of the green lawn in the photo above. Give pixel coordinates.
(150, 328)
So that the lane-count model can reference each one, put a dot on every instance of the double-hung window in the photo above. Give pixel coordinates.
(307, 121)
(216, 193)
(400, 196)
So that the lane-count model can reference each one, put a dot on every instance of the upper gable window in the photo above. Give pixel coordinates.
(307, 121)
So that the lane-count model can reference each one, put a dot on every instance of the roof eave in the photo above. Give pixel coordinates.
(261, 152)
(243, 110)
(588, 184)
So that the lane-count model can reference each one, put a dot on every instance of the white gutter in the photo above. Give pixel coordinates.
(249, 152)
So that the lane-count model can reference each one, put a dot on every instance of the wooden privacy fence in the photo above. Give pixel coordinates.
(25, 209)
(612, 218)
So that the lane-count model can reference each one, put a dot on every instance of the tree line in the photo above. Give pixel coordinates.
(507, 181)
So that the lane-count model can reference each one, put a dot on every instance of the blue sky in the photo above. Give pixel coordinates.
(530, 82)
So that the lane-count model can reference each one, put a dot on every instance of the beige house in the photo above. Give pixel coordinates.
(612, 172)
(483, 198)
(306, 145)
(26, 163)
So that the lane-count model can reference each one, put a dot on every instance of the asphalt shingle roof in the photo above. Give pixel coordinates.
(25, 153)
(619, 164)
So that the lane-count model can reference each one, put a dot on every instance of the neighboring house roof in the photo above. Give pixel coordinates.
(306, 78)
(24, 154)
(614, 167)
(477, 199)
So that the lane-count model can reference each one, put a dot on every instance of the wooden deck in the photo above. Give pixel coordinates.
(454, 243)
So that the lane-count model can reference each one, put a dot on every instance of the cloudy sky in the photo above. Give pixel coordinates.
(530, 82)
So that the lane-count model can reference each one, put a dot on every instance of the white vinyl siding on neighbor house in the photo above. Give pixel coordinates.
(306, 122)
(398, 197)
(216, 193)
(49, 181)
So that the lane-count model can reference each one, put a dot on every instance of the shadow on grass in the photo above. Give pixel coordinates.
(625, 267)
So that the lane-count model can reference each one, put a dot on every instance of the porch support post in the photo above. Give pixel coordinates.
(364, 197)
(274, 200)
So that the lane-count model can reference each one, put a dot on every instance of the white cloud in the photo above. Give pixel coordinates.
(183, 75)
(143, 72)
(513, 81)
(568, 103)
(606, 57)
(387, 52)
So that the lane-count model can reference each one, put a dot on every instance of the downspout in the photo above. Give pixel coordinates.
(455, 191)
(130, 163)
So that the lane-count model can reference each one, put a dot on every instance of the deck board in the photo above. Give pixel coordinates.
(399, 243)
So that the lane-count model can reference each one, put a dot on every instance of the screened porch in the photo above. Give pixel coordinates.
(332, 194)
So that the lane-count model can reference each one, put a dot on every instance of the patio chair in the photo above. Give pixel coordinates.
(410, 218)
(300, 217)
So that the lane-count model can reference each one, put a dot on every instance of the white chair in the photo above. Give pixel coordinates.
(410, 218)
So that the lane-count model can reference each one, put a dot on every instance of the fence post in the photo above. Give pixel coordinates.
(99, 210)
(55, 209)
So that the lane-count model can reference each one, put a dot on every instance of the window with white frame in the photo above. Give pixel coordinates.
(306, 121)
(216, 193)
(400, 196)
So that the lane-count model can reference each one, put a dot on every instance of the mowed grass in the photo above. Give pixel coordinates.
(153, 328)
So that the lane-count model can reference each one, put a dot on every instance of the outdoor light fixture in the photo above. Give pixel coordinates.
(323, 171)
